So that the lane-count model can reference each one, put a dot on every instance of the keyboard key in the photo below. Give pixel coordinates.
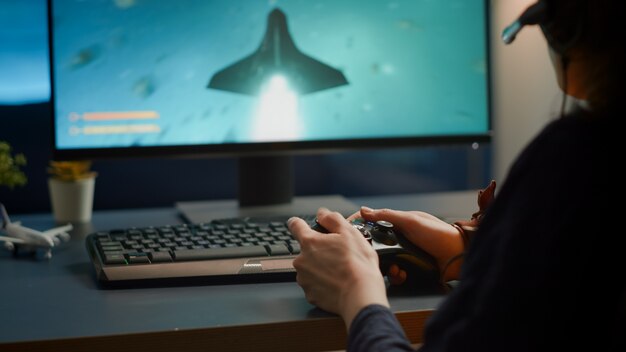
(137, 258)
(295, 248)
(217, 253)
(116, 248)
(160, 257)
(114, 258)
(278, 249)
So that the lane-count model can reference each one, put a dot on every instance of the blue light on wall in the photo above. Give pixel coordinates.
(24, 63)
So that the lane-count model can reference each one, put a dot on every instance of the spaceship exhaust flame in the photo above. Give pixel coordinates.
(277, 115)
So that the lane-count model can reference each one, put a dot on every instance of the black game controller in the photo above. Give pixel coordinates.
(393, 248)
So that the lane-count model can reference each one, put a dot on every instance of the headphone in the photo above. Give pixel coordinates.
(543, 13)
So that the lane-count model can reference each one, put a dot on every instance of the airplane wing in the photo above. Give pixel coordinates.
(305, 74)
(309, 75)
(11, 239)
(58, 231)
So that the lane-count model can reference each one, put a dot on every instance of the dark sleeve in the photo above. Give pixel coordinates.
(375, 328)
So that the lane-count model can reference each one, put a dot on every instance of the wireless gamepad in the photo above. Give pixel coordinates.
(393, 248)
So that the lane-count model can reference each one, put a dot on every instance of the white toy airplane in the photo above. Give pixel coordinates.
(14, 235)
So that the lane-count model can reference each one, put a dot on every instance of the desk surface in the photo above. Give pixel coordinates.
(44, 301)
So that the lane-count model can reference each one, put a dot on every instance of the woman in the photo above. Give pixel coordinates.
(542, 272)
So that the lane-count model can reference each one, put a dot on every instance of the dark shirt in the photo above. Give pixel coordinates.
(544, 270)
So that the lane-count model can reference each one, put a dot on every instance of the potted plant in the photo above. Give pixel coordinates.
(10, 173)
(71, 186)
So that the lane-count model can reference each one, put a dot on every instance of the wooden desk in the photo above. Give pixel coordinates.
(56, 305)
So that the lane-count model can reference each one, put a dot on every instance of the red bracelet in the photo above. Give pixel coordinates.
(468, 229)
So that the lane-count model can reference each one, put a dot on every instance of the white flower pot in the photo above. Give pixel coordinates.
(72, 201)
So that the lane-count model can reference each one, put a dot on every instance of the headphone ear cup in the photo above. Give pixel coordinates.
(563, 26)
(554, 43)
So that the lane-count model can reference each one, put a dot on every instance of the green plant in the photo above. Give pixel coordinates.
(10, 173)
(71, 170)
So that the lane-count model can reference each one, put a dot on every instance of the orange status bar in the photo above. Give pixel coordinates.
(120, 115)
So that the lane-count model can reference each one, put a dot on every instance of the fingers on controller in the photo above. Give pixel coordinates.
(396, 275)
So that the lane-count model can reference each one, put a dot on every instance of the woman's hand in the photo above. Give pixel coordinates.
(338, 271)
(440, 239)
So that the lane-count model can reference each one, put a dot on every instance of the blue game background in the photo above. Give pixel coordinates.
(415, 68)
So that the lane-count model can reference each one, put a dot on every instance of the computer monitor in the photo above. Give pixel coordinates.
(265, 80)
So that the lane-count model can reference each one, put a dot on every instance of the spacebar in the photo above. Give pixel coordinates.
(219, 253)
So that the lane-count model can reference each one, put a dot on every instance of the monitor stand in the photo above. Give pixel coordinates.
(265, 180)
(265, 189)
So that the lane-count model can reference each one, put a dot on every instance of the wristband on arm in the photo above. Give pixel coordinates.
(468, 228)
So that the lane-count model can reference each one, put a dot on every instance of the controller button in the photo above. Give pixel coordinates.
(384, 236)
(319, 228)
(385, 224)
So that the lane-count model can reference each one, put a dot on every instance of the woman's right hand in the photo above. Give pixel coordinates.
(435, 236)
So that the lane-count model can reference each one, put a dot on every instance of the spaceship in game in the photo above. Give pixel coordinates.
(277, 55)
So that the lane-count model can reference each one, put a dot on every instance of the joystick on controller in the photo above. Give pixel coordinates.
(393, 248)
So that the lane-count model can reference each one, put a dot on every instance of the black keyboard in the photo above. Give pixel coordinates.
(236, 250)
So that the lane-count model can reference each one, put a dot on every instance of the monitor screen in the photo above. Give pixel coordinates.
(239, 77)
